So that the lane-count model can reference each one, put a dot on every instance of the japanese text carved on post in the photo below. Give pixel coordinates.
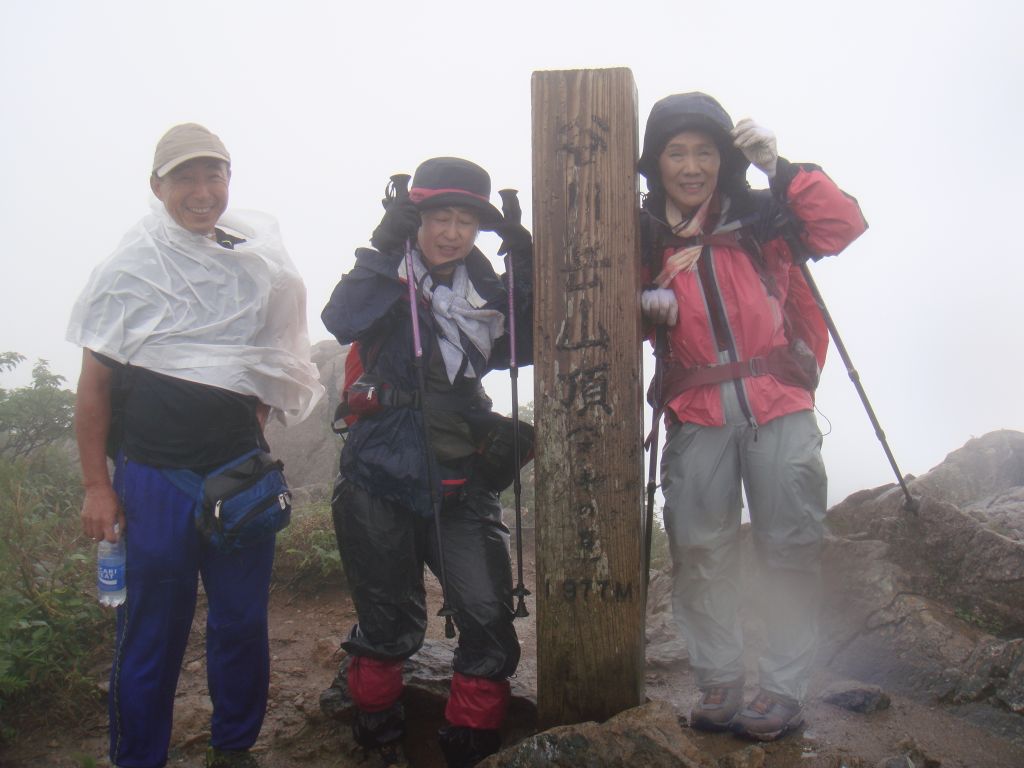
(588, 395)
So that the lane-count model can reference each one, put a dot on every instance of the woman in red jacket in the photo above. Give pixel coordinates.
(745, 343)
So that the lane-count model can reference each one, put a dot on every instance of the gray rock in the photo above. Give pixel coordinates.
(430, 669)
(1011, 693)
(666, 648)
(951, 550)
(310, 450)
(913, 600)
(984, 467)
(910, 756)
(856, 697)
(1001, 513)
(649, 736)
(996, 669)
(874, 630)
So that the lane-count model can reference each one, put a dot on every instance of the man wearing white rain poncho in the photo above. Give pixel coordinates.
(193, 333)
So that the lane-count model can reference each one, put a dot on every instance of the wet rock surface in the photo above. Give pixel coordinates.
(649, 735)
(932, 603)
(951, 549)
(666, 649)
(856, 697)
(310, 450)
(995, 670)
(923, 610)
(910, 756)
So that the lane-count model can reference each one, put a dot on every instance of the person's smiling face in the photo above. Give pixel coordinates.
(195, 193)
(689, 167)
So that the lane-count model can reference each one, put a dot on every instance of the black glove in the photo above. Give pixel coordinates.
(515, 238)
(496, 452)
(400, 223)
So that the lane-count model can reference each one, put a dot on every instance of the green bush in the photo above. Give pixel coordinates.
(51, 625)
(35, 416)
(307, 552)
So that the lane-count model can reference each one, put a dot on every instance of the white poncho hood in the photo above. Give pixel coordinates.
(175, 302)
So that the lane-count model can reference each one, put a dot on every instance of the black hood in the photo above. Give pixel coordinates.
(691, 111)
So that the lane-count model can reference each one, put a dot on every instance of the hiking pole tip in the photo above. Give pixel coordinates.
(449, 624)
(521, 592)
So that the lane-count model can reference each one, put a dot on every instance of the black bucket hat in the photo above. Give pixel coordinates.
(445, 181)
(686, 112)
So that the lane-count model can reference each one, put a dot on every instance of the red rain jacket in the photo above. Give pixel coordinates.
(824, 220)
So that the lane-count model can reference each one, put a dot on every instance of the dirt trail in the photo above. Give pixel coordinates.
(306, 629)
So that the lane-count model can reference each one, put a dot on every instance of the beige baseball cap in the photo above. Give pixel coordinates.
(186, 142)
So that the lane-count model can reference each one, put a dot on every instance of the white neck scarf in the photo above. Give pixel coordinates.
(466, 330)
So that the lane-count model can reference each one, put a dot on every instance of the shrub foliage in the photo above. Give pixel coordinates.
(50, 621)
(307, 553)
(35, 416)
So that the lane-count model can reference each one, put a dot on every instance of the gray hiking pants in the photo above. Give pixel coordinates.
(781, 468)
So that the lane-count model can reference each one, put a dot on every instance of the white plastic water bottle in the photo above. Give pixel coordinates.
(110, 572)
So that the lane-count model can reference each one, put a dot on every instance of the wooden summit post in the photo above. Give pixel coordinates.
(588, 396)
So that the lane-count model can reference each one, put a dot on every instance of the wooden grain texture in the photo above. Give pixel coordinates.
(587, 395)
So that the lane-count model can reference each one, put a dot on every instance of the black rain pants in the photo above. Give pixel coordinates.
(383, 548)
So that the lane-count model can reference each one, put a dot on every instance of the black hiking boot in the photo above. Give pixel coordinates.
(380, 735)
(372, 730)
(389, 756)
(465, 747)
(336, 701)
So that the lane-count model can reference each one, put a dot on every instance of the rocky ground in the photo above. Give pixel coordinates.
(921, 662)
(305, 635)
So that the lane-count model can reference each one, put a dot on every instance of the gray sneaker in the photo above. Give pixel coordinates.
(717, 706)
(768, 716)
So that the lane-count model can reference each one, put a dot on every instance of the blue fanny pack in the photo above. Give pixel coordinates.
(239, 503)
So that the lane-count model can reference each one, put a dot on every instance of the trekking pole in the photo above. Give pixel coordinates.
(660, 345)
(514, 214)
(400, 184)
(910, 504)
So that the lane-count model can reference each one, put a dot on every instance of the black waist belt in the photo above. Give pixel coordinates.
(435, 401)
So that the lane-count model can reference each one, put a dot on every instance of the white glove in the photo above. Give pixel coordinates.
(757, 143)
(659, 306)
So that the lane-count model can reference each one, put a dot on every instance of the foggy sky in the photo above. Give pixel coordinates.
(913, 108)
